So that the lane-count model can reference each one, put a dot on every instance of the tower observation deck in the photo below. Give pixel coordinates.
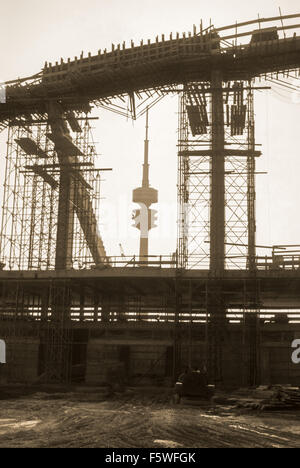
(145, 196)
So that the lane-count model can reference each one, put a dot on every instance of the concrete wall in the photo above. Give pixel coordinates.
(276, 352)
(277, 366)
(147, 359)
(100, 358)
(21, 360)
(153, 359)
(151, 354)
(234, 356)
(133, 360)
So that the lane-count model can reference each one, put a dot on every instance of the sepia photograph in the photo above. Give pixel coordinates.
(149, 227)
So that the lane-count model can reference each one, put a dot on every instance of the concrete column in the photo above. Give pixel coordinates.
(217, 221)
(215, 300)
(65, 222)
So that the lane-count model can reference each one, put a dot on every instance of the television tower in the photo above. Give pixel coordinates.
(144, 218)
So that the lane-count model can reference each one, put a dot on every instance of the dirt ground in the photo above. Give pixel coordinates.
(138, 419)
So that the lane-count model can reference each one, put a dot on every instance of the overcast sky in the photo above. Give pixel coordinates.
(33, 32)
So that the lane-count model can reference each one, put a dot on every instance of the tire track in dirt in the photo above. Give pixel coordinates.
(69, 421)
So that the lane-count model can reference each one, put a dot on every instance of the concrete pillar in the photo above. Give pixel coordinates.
(217, 221)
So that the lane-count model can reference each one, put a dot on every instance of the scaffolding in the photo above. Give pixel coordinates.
(216, 195)
(240, 177)
(195, 168)
(193, 178)
(36, 169)
(28, 226)
(82, 257)
(31, 195)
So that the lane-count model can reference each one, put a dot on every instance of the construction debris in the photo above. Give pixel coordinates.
(273, 398)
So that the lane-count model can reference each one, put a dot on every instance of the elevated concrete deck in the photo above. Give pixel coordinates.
(147, 272)
(277, 288)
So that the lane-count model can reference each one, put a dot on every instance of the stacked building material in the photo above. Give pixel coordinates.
(273, 398)
(284, 397)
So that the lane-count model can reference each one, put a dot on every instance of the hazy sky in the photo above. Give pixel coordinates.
(33, 32)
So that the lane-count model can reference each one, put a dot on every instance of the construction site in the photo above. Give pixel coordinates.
(70, 314)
